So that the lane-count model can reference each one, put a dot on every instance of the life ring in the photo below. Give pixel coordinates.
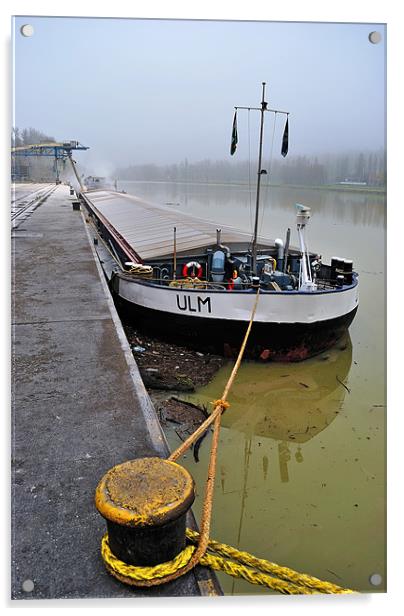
(194, 265)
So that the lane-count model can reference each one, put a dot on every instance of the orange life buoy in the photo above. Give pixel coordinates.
(192, 266)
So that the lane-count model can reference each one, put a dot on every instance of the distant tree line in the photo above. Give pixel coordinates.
(28, 136)
(363, 167)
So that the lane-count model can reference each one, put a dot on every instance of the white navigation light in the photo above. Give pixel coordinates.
(306, 282)
(303, 214)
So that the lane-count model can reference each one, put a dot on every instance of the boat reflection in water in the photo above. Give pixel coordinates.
(289, 403)
(277, 412)
(292, 404)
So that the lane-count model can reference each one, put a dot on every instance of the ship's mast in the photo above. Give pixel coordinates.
(257, 203)
(262, 109)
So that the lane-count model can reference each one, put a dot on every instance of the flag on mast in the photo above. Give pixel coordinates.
(234, 136)
(285, 139)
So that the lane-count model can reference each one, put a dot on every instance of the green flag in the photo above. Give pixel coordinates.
(234, 136)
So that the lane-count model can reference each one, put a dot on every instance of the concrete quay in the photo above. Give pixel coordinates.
(79, 407)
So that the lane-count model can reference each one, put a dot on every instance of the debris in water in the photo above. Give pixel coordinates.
(198, 368)
(186, 414)
(265, 354)
(197, 445)
(172, 420)
(138, 349)
(342, 383)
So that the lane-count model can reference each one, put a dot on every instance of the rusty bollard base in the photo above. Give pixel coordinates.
(144, 503)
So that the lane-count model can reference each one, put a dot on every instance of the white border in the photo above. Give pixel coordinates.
(363, 11)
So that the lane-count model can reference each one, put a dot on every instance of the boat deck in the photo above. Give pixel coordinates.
(148, 227)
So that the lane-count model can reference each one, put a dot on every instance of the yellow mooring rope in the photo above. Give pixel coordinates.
(208, 552)
(222, 557)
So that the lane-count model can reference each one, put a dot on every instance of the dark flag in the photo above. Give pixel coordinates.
(285, 139)
(234, 136)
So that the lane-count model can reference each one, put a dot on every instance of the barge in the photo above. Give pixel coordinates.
(185, 279)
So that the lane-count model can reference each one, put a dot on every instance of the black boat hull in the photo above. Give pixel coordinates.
(285, 342)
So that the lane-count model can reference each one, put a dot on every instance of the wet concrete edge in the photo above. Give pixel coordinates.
(207, 581)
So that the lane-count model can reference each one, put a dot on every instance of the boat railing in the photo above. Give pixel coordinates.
(196, 283)
(323, 283)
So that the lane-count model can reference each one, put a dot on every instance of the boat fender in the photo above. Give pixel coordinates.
(140, 270)
(193, 266)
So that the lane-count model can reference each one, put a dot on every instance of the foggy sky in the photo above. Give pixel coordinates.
(160, 91)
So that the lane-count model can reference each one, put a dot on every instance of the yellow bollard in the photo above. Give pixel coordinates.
(144, 503)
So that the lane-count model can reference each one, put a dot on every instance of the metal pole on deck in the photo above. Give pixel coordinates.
(175, 254)
(286, 253)
(254, 246)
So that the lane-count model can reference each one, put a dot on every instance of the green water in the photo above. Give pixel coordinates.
(302, 459)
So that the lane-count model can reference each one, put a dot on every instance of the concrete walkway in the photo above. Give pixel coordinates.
(78, 408)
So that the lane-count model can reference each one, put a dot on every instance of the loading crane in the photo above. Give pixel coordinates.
(60, 151)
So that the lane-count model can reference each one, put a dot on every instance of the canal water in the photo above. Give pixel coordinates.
(302, 459)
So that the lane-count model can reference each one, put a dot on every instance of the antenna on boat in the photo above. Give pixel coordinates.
(262, 109)
(286, 253)
(175, 254)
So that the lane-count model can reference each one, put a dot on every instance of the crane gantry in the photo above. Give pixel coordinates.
(60, 151)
